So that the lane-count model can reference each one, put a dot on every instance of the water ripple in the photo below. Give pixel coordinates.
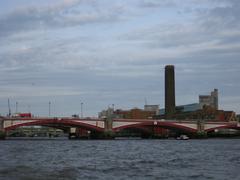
(128, 159)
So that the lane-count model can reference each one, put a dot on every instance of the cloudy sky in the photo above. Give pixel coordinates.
(114, 52)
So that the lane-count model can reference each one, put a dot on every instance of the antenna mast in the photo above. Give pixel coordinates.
(9, 108)
(145, 101)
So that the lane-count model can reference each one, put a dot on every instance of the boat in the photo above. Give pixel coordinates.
(183, 137)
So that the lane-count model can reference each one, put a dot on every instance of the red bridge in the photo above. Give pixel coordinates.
(115, 125)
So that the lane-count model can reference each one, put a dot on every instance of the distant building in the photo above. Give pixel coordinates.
(169, 91)
(134, 114)
(209, 100)
(195, 112)
(154, 108)
(184, 108)
(188, 107)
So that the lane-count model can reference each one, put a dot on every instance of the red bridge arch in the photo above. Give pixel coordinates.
(54, 122)
(166, 125)
(228, 126)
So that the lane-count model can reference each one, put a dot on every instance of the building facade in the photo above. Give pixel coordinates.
(209, 100)
(154, 108)
(134, 114)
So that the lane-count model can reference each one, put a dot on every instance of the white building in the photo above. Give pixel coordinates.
(209, 100)
(154, 108)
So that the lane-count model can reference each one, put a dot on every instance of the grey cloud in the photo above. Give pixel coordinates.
(221, 17)
(156, 3)
(168, 35)
(45, 51)
(186, 6)
(213, 31)
(60, 15)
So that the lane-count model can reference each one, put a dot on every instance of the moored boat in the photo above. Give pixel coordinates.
(183, 137)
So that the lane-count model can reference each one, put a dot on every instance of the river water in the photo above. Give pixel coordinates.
(64, 159)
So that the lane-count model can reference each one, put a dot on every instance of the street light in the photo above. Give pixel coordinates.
(9, 108)
(81, 109)
(49, 109)
(16, 107)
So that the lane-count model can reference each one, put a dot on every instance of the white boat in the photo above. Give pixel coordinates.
(183, 137)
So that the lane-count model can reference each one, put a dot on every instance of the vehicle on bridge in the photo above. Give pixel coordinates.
(23, 115)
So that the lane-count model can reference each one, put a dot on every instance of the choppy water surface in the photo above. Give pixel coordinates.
(120, 159)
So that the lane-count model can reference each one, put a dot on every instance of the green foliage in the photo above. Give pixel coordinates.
(109, 135)
(2, 135)
(202, 134)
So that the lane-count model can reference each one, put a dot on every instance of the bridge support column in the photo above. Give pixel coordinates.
(2, 131)
(78, 133)
(108, 124)
(201, 133)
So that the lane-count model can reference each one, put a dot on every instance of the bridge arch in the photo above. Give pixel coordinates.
(150, 124)
(229, 126)
(139, 128)
(176, 127)
(56, 123)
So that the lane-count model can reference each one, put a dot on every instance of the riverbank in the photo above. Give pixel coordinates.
(116, 138)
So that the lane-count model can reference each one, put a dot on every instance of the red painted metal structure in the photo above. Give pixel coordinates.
(54, 122)
(162, 124)
(97, 125)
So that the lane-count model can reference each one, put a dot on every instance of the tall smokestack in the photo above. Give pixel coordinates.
(169, 91)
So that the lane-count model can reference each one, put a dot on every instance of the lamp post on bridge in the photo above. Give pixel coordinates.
(81, 109)
(9, 108)
(16, 107)
(49, 108)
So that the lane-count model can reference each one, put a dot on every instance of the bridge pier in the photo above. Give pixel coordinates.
(78, 133)
(2, 131)
(201, 133)
(72, 134)
(108, 124)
